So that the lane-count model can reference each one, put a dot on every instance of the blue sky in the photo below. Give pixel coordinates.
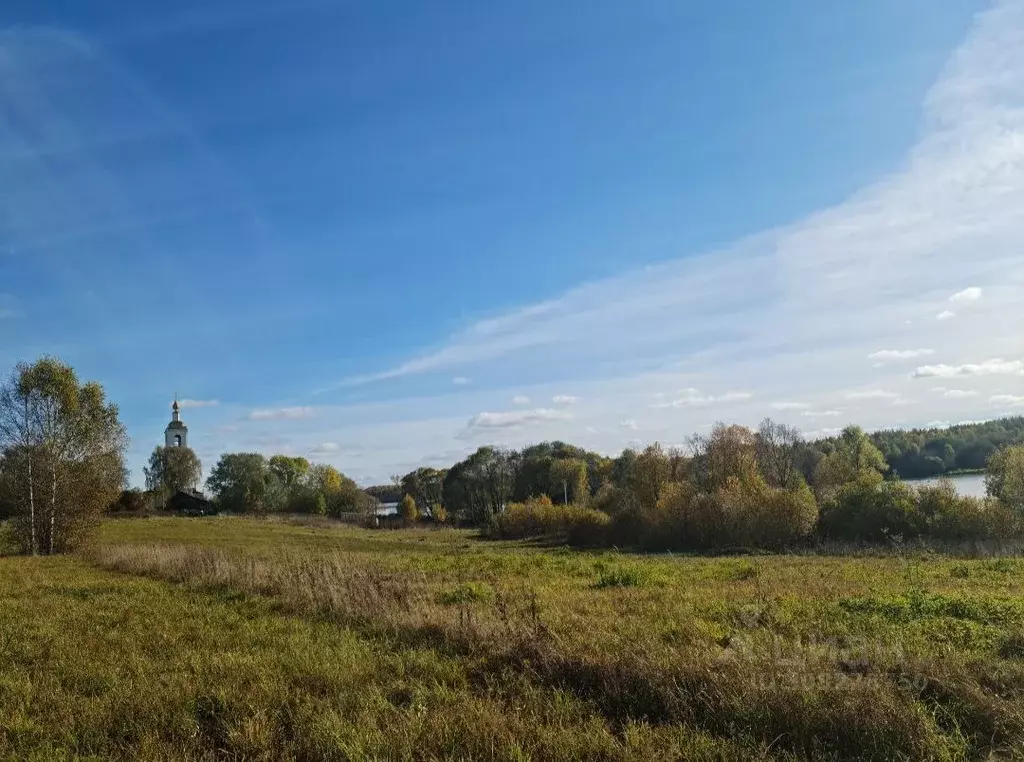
(381, 234)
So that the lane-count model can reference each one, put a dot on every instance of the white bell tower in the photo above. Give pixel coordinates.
(176, 433)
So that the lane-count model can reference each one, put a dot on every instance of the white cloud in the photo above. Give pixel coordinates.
(945, 315)
(281, 413)
(694, 398)
(959, 394)
(1006, 399)
(822, 413)
(515, 418)
(993, 367)
(197, 403)
(789, 406)
(460, 380)
(520, 399)
(872, 394)
(937, 425)
(564, 399)
(628, 424)
(325, 450)
(888, 355)
(968, 295)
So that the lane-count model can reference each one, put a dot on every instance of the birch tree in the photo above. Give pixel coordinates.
(67, 444)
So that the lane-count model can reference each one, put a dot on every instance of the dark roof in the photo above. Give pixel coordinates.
(189, 500)
(175, 425)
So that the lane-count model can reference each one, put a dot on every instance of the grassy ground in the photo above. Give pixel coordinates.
(228, 638)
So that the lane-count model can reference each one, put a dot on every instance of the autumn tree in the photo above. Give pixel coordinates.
(63, 447)
(1004, 478)
(410, 512)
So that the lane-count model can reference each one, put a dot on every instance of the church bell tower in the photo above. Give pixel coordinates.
(176, 433)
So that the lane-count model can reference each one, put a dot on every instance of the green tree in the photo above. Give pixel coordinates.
(569, 480)
(290, 471)
(239, 481)
(854, 457)
(63, 446)
(171, 469)
(1004, 479)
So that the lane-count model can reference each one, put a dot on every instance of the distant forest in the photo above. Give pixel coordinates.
(920, 453)
(909, 453)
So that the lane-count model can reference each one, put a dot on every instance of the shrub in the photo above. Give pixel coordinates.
(743, 512)
(409, 510)
(537, 517)
(129, 501)
(873, 510)
(954, 517)
(440, 514)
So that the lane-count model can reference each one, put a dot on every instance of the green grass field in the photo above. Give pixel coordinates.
(227, 638)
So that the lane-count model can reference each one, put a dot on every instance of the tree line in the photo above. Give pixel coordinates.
(734, 486)
(249, 483)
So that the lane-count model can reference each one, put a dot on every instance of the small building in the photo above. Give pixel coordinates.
(190, 502)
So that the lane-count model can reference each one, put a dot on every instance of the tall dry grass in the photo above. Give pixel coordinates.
(803, 701)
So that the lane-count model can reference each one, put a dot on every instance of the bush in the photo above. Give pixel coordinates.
(129, 501)
(539, 518)
(744, 512)
(954, 517)
(870, 509)
(408, 509)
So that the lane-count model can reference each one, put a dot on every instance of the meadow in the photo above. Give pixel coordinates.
(232, 638)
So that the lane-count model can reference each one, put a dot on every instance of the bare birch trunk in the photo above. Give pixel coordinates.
(31, 509)
(53, 504)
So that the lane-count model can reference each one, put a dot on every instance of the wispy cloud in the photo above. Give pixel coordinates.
(520, 399)
(460, 380)
(1007, 399)
(515, 418)
(198, 403)
(694, 398)
(789, 406)
(959, 394)
(628, 424)
(966, 296)
(282, 413)
(325, 450)
(891, 355)
(994, 367)
(789, 313)
(822, 413)
(872, 394)
(564, 399)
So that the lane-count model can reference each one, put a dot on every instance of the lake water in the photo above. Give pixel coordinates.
(967, 484)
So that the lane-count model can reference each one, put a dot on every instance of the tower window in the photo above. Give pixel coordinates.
(177, 440)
